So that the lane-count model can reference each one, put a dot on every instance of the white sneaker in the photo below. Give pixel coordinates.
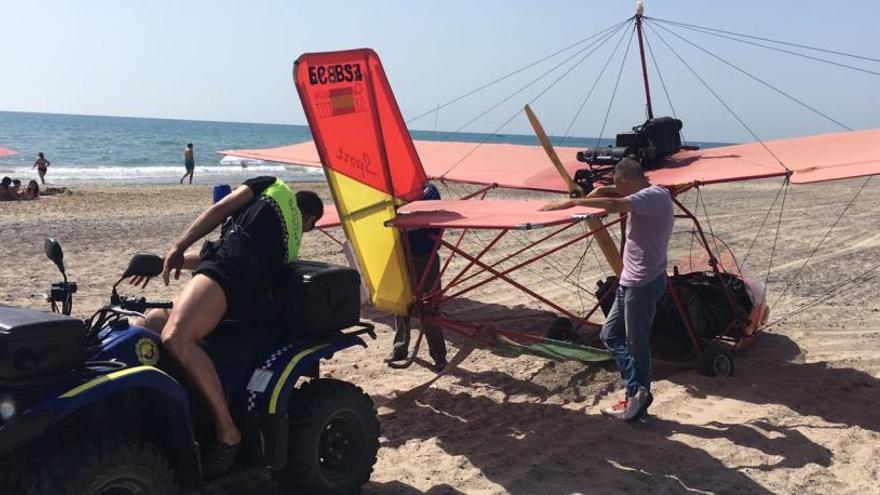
(616, 411)
(637, 405)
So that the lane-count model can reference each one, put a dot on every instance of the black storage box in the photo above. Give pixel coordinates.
(321, 298)
(37, 343)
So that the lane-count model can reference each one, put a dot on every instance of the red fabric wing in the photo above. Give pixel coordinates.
(818, 158)
(812, 159)
(357, 125)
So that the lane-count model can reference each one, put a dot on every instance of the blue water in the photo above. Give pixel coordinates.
(92, 149)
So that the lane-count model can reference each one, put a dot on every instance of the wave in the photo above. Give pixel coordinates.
(231, 170)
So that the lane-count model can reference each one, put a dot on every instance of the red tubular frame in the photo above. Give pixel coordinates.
(427, 305)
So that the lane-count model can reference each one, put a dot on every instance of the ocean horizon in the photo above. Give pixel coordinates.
(88, 149)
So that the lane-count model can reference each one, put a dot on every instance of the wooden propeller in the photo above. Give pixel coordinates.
(603, 238)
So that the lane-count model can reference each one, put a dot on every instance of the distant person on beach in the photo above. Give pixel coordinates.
(42, 166)
(16, 188)
(32, 191)
(627, 329)
(263, 222)
(5, 190)
(189, 162)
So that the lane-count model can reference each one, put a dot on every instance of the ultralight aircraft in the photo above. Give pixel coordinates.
(376, 174)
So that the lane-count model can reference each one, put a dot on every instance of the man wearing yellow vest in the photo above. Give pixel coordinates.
(264, 223)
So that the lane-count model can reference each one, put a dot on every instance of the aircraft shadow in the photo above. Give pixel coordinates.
(535, 447)
(769, 373)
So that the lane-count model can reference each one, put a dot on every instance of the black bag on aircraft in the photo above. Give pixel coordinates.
(703, 300)
(649, 143)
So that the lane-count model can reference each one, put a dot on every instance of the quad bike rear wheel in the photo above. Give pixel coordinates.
(334, 438)
(112, 466)
(716, 360)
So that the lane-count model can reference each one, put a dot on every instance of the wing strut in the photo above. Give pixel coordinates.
(603, 238)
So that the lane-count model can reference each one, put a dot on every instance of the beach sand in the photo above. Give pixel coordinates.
(800, 416)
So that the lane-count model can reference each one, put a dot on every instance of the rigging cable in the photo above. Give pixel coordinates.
(597, 45)
(662, 81)
(590, 93)
(717, 97)
(763, 222)
(822, 241)
(765, 83)
(616, 84)
(504, 124)
(814, 48)
(824, 297)
(715, 32)
(785, 188)
(517, 71)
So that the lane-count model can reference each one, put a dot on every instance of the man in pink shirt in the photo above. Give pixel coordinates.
(627, 329)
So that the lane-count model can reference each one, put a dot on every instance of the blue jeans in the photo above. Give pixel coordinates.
(627, 331)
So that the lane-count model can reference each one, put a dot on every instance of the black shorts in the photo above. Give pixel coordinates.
(247, 294)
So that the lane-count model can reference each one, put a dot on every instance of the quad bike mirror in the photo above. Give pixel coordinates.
(54, 252)
(144, 264)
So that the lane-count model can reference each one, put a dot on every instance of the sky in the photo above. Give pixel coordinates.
(231, 60)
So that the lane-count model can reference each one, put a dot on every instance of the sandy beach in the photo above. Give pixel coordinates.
(799, 416)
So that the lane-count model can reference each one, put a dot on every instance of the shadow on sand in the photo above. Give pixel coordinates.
(773, 372)
(528, 445)
(545, 448)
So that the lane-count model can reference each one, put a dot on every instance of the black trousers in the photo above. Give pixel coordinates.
(433, 333)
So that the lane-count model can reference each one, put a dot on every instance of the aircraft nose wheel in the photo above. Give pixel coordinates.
(715, 360)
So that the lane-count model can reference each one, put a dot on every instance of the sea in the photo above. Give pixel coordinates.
(86, 149)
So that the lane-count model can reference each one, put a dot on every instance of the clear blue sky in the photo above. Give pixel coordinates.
(231, 60)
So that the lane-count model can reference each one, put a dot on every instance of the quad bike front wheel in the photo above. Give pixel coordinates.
(334, 438)
(112, 466)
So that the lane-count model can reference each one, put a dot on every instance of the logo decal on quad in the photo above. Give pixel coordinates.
(147, 352)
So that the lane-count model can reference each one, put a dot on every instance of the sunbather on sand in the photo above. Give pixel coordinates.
(6, 193)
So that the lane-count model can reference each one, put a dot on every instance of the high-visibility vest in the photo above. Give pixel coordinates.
(284, 201)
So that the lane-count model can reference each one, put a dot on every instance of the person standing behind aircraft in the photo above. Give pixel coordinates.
(42, 166)
(627, 329)
(189, 162)
(421, 248)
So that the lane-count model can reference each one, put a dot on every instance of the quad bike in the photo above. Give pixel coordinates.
(96, 406)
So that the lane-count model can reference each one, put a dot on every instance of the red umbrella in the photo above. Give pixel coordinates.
(6, 151)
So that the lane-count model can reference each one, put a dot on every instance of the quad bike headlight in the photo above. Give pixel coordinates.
(7, 408)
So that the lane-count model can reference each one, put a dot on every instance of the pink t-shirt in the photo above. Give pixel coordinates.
(647, 236)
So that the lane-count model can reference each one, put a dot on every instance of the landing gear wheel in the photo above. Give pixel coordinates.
(334, 438)
(716, 360)
(115, 466)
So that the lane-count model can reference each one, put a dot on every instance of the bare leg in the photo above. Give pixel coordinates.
(191, 176)
(198, 310)
(184, 177)
(155, 320)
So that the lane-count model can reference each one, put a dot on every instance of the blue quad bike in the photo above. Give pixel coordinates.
(96, 406)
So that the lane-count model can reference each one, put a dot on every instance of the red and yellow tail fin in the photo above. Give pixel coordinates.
(369, 158)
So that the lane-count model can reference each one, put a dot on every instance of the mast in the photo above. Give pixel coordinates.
(640, 9)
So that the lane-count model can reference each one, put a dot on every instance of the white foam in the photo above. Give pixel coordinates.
(233, 170)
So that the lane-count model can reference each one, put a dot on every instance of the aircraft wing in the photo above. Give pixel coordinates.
(507, 165)
(487, 214)
(817, 158)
